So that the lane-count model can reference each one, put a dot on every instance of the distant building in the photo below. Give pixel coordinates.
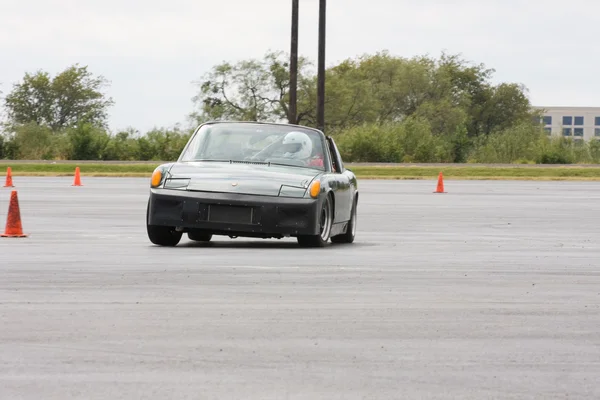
(575, 122)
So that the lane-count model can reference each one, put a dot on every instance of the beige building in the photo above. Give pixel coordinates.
(575, 122)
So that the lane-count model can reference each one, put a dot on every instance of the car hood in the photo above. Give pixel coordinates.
(241, 178)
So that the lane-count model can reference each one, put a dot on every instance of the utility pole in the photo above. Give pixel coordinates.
(321, 68)
(293, 111)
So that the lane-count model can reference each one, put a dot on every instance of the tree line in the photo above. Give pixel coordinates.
(378, 107)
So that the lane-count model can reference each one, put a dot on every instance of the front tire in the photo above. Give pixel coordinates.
(326, 222)
(162, 235)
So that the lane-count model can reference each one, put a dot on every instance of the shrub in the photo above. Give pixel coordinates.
(410, 140)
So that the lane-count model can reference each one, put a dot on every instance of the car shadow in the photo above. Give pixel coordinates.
(267, 244)
(245, 244)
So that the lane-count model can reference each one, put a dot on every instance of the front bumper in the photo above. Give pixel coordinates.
(234, 214)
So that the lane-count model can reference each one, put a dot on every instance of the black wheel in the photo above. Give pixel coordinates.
(162, 235)
(350, 234)
(326, 222)
(200, 236)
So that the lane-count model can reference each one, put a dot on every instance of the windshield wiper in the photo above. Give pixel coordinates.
(230, 161)
(249, 162)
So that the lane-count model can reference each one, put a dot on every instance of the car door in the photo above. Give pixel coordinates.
(343, 186)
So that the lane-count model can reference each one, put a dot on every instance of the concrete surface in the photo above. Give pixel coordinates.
(489, 291)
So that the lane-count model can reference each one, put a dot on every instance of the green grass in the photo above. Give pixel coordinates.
(471, 172)
(571, 172)
(86, 169)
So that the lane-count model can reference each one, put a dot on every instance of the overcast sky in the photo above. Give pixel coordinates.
(153, 50)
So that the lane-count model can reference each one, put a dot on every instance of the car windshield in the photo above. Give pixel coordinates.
(241, 142)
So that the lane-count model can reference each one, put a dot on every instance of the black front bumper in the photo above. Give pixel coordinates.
(234, 214)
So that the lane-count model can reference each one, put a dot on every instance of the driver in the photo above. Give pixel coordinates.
(297, 145)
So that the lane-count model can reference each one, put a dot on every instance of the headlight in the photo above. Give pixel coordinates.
(291, 191)
(181, 183)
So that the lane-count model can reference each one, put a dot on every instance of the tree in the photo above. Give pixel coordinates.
(490, 107)
(71, 98)
(454, 96)
(506, 106)
(449, 92)
(251, 90)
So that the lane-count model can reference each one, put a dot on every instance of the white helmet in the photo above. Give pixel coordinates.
(297, 145)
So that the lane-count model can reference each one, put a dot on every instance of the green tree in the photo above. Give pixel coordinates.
(449, 92)
(506, 105)
(453, 95)
(490, 108)
(251, 90)
(71, 98)
(86, 142)
(32, 142)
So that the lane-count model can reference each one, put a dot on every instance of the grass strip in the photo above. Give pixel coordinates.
(86, 169)
(470, 172)
(364, 172)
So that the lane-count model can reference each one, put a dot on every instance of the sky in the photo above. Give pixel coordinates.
(153, 51)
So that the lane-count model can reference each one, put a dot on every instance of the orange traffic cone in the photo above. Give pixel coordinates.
(13, 221)
(440, 184)
(9, 182)
(77, 180)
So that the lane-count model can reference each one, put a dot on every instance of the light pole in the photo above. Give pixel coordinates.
(321, 68)
(293, 110)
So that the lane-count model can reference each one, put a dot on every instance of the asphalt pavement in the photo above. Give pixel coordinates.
(489, 291)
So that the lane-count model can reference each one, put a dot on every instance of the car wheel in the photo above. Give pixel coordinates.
(326, 222)
(200, 236)
(350, 234)
(162, 235)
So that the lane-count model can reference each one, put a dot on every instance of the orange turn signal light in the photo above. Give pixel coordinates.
(156, 178)
(315, 188)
